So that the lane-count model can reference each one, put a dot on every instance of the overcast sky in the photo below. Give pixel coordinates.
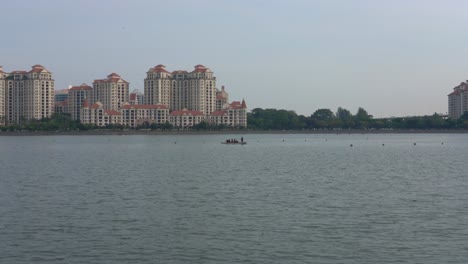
(393, 57)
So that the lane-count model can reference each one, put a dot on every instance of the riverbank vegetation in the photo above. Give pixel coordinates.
(270, 119)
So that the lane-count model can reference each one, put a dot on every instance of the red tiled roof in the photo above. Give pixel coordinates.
(133, 96)
(37, 68)
(95, 106)
(85, 103)
(158, 68)
(147, 106)
(186, 112)
(218, 113)
(84, 86)
(112, 112)
(19, 72)
(238, 105)
(113, 77)
(220, 97)
(200, 68)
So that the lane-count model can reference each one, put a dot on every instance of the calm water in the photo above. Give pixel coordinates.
(307, 199)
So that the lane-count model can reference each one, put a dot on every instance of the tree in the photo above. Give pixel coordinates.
(323, 114)
(343, 114)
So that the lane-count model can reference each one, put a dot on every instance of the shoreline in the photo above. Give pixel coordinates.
(224, 132)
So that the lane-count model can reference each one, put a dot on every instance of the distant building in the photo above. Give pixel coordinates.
(61, 95)
(2, 96)
(185, 118)
(195, 90)
(135, 115)
(97, 115)
(222, 98)
(232, 115)
(136, 97)
(61, 107)
(76, 97)
(28, 95)
(112, 92)
(458, 100)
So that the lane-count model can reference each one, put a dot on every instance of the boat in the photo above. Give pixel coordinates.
(234, 143)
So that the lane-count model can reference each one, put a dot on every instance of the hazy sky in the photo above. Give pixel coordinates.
(391, 57)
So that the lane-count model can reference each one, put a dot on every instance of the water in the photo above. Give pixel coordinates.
(190, 199)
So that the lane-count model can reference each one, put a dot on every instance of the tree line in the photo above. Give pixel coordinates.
(269, 119)
(325, 119)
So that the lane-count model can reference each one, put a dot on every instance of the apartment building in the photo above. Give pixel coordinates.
(136, 97)
(97, 115)
(458, 100)
(135, 115)
(76, 97)
(185, 118)
(61, 107)
(28, 95)
(222, 98)
(2, 96)
(112, 92)
(232, 115)
(195, 90)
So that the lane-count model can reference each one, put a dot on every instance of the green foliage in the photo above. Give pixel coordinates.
(325, 119)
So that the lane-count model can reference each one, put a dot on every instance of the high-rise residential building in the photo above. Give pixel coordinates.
(29, 95)
(2, 96)
(112, 92)
(233, 115)
(136, 97)
(195, 90)
(61, 95)
(158, 84)
(458, 100)
(222, 98)
(76, 97)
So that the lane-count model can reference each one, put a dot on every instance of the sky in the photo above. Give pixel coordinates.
(390, 57)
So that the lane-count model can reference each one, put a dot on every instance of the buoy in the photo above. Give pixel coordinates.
(383, 144)
(414, 144)
(351, 145)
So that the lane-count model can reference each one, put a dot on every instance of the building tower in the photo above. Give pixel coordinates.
(2, 97)
(458, 100)
(111, 92)
(158, 86)
(29, 95)
(76, 97)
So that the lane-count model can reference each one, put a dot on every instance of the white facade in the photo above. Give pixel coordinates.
(76, 97)
(29, 95)
(112, 92)
(232, 115)
(97, 115)
(2, 97)
(185, 118)
(194, 90)
(135, 115)
(458, 100)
